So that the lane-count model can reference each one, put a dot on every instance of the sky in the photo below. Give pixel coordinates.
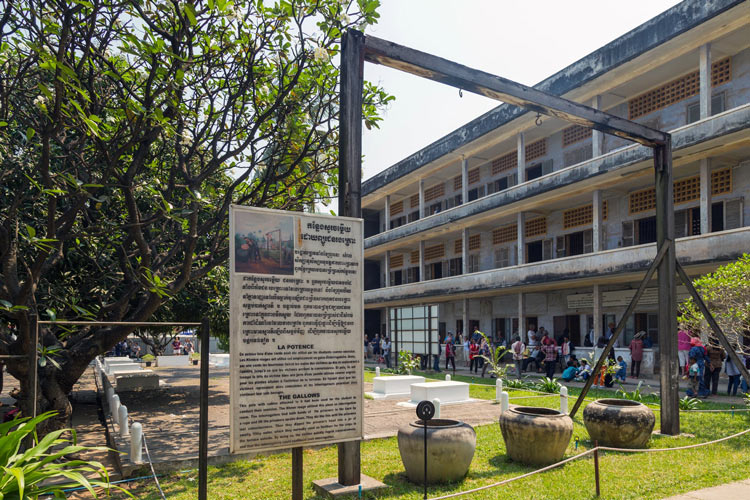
(525, 41)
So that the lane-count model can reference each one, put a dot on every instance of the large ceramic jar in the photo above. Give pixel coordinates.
(450, 449)
(535, 436)
(619, 423)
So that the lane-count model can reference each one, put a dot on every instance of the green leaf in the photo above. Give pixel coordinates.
(30, 133)
(31, 231)
(190, 13)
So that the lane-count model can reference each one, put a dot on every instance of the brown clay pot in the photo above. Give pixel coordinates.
(535, 436)
(450, 449)
(619, 423)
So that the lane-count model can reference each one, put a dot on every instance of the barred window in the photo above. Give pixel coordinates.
(536, 227)
(457, 183)
(457, 246)
(721, 181)
(687, 189)
(505, 234)
(414, 200)
(397, 208)
(574, 134)
(435, 191)
(605, 210)
(536, 149)
(475, 242)
(474, 176)
(578, 216)
(505, 162)
(678, 89)
(414, 257)
(397, 261)
(642, 201)
(434, 252)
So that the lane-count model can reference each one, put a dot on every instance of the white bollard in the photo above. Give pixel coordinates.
(498, 388)
(448, 377)
(504, 402)
(115, 408)
(136, 444)
(436, 402)
(122, 418)
(110, 392)
(377, 371)
(564, 400)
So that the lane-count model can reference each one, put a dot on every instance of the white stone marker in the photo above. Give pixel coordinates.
(122, 417)
(504, 402)
(436, 402)
(498, 388)
(564, 400)
(377, 371)
(115, 409)
(110, 393)
(448, 378)
(136, 445)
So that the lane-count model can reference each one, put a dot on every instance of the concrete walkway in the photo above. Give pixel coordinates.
(731, 491)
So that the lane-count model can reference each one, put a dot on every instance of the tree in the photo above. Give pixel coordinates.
(127, 128)
(726, 293)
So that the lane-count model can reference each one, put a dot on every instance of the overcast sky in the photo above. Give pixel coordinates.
(525, 41)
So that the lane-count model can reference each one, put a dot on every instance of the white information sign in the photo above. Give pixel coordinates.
(296, 309)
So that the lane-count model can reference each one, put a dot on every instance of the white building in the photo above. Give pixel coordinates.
(504, 223)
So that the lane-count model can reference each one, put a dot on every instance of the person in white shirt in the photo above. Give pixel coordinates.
(517, 349)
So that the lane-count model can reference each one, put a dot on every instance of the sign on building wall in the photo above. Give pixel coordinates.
(296, 310)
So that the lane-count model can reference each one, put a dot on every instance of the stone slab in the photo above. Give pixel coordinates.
(179, 360)
(446, 392)
(133, 367)
(145, 380)
(331, 488)
(739, 490)
(394, 387)
(219, 360)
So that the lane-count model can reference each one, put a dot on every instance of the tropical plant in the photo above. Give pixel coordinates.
(514, 383)
(687, 403)
(148, 357)
(497, 367)
(43, 468)
(407, 362)
(746, 398)
(549, 385)
(634, 395)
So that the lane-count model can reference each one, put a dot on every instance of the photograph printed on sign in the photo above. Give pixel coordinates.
(263, 244)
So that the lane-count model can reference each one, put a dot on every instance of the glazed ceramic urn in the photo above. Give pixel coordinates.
(450, 449)
(535, 436)
(619, 423)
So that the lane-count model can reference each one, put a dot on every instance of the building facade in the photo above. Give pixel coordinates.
(513, 220)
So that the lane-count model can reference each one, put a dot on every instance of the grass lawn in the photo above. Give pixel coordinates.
(623, 476)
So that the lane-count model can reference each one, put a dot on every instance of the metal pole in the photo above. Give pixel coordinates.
(203, 429)
(33, 365)
(350, 181)
(596, 466)
(668, 369)
(425, 459)
(297, 473)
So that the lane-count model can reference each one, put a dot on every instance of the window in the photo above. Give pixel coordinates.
(475, 242)
(505, 162)
(396, 278)
(434, 252)
(458, 246)
(457, 183)
(642, 201)
(476, 193)
(536, 149)
(434, 192)
(412, 274)
(399, 221)
(397, 208)
(578, 155)
(534, 251)
(574, 134)
(434, 208)
(687, 222)
(455, 266)
(397, 261)
(414, 201)
(414, 257)
(580, 216)
(473, 263)
(502, 257)
(726, 214)
(576, 243)
(414, 216)
(721, 181)
(474, 176)
(718, 105)
(645, 230)
(415, 329)
(502, 183)
(536, 227)
(539, 169)
(687, 190)
(505, 234)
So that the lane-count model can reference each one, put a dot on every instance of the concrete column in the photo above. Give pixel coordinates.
(597, 138)
(598, 220)
(421, 199)
(421, 261)
(705, 80)
(598, 327)
(387, 212)
(465, 319)
(521, 239)
(465, 251)
(521, 147)
(705, 196)
(388, 325)
(522, 317)
(464, 180)
(387, 268)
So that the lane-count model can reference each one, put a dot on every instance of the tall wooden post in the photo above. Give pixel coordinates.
(33, 381)
(670, 409)
(350, 181)
(203, 418)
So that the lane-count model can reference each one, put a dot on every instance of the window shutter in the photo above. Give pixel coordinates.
(717, 104)
(588, 241)
(547, 166)
(490, 187)
(513, 179)
(547, 249)
(560, 246)
(603, 231)
(733, 213)
(627, 233)
(514, 258)
(694, 113)
(502, 257)
(680, 223)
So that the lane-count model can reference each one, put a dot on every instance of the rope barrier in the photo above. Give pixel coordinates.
(151, 464)
(587, 452)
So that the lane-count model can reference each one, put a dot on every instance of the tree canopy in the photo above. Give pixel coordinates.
(127, 128)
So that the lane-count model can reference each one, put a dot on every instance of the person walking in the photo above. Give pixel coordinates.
(473, 357)
(387, 352)
(683, 347)
(518, 349)
(436, 358)
(698, 353)
(450, 353)
(549, 348)
(636, 354)
(734, 377)
(716, 357)
(484, 350)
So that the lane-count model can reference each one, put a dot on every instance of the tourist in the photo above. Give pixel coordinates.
(387, 352)
(176, 346)
(584, 371)
(549, 349)
(376, 347)
(569, 373)
(683, 346)
(698, 354)
(484, 350)
(367, 347)
(694, 373)
(518, 349)
(467, 352)
(566, 347)
(734, 377)
(531, 333)
(189, 349)
(450, 353)
(636, 354)
(436, 358)
(477, 335)
(623, 371)
(534, 352)
(712, 371)
(601, 343)
(473, 356)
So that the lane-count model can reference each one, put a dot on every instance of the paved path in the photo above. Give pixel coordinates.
(731, 491)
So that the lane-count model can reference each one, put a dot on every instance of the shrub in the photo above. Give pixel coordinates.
(547, 384)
